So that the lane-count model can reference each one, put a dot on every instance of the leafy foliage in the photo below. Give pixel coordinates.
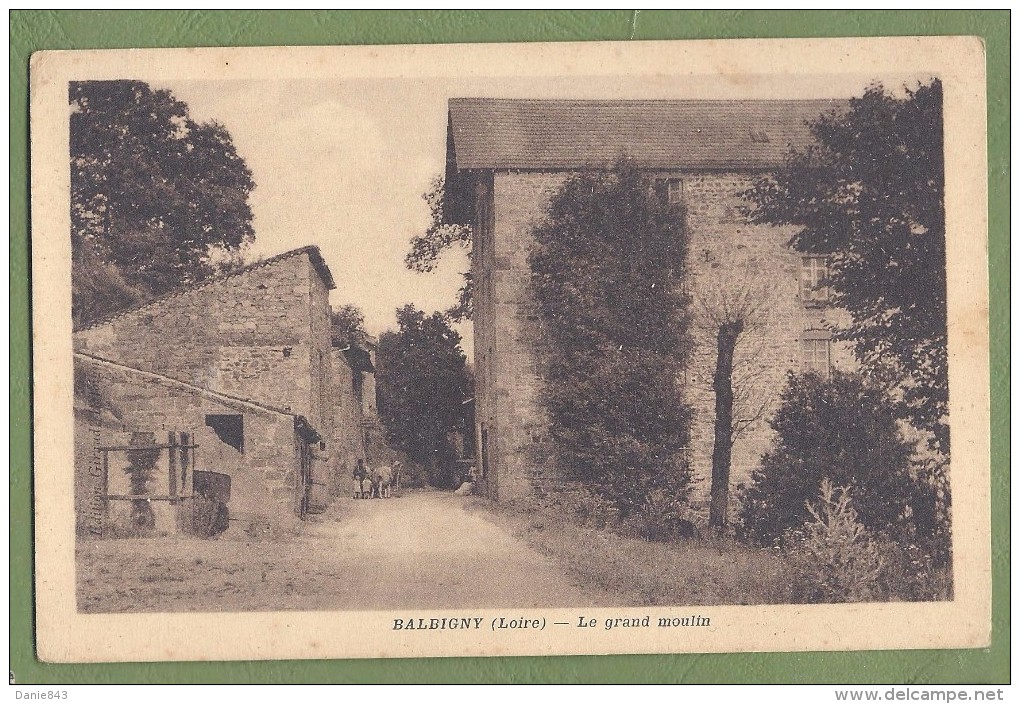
(834, 556)
(155, 196)
(347, 326)
(665, 516)
(440, 236)
(209, 517)
(870, 194)
(98, 289)
(837, 559)
(141, 462)
(606, 274)
(423, 382)
(841, 429)
(930, 527)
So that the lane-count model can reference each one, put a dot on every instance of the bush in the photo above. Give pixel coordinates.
(664, 517)
(577, 504)
(209, 517)
(835, 557)
(841, 429)
(912, 573)
(607, 270)
(619, 428)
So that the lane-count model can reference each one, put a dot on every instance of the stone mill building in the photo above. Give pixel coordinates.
(506, 158)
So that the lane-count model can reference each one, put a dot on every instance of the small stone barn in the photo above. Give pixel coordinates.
(505, 160)
(265, 450)
(244, 363)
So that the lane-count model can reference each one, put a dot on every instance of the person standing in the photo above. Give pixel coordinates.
(360, 475)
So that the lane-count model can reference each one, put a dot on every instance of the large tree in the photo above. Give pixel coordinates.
(347, 326)
(158, 200)
(607, 270)
(869, 194)
(440, 236)
(423, 387)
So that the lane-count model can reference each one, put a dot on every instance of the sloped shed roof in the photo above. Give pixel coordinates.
(301, 424)
(487, 133)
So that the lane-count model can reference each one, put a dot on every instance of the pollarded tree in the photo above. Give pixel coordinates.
(869, 194)
(423, 383)
(736, 317)
(156, 198)
(606, 274)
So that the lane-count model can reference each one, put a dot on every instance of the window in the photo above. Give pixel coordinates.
(669, 190)
(675, 191)
(815, 354)
(228, 428)
(813, 271)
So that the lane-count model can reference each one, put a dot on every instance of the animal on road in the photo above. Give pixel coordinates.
(382, 480)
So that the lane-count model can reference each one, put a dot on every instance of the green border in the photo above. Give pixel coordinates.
(34, 30)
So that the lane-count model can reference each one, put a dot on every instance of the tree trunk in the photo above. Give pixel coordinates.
(721, 452)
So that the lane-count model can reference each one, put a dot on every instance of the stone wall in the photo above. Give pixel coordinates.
(257, 335)
(483, 325)
(348, 436)
(521, 201)
(369, 400)
(264, 473)
(729, 260)
(320, 352)
(321, 404)
(735, 266)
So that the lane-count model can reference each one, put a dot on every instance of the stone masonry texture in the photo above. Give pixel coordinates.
(729, 260)
(264, 477)
(252, 335)
(348, 434)
(261, 334)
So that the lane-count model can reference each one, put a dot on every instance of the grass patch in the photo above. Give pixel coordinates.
(696, 571)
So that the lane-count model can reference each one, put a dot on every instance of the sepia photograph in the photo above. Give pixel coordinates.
(521, 350)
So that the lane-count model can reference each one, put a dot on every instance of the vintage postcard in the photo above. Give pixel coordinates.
(532, 349)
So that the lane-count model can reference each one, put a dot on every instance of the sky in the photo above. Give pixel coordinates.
(343, 164)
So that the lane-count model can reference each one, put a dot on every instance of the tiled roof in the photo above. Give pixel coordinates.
(487, 133)
(314, 255)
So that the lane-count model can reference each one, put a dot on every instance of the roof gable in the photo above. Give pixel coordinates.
(487, 133)
(314, 256)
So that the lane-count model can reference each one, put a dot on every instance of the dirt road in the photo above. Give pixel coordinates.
(422, 550)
